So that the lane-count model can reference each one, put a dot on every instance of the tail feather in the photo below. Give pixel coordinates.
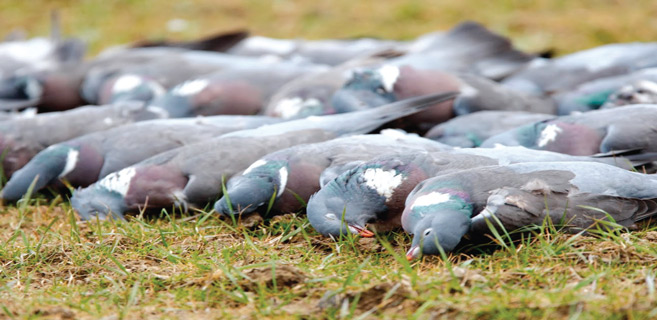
(368, 120)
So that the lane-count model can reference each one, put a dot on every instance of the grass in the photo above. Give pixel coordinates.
(199, 266)
(562, 25)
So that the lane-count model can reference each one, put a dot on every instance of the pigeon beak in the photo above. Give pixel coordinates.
(361, 231)
(413, 253)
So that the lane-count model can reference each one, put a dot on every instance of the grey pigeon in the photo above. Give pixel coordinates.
(637, 92)
(193, 174)
(74, 85)
(441, 210)
(470, 130)
(237, 90)
(22, 138)
(311, 94)
(617, 130)
(467, 48)
(564, 73)
(85, 159)
(374, 191)
(595, 94)
(388, 83)
(291, 175)
(20, 59)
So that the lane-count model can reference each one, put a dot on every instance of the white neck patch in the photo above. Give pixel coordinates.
(647, 85)
(282, 174)
(548, 134)
(71, 160)
(254, 165)
(126, 83)
(33, 89)
(430, 199)
(190, 87)
(290, 107)
(389, 75)
(468, 91)
(118, 181)
(382, 181)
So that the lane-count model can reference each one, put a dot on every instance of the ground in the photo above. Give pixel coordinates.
(53, 266)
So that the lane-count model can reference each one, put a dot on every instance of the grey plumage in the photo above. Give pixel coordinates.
(193, 174)
(24, 137)
(85, 159)
(574, 194)
(293, 174)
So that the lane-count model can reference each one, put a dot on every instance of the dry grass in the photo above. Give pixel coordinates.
(198, 266)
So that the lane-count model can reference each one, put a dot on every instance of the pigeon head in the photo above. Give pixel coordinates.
(331, 216)
(444, 229)
(437, 215)
(532, 135)
(367, 89)
(356, 197)
(24, 87)
(312, 100)
(49, 164)
(98, 202)
(105, 198)
(129, 87)
(260, 182)
(79, 164)
(639, 92)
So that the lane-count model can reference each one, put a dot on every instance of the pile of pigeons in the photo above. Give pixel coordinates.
(472, 133)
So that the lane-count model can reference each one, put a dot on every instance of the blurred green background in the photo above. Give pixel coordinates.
(562, 25)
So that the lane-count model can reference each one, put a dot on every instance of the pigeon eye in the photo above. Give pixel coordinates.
(427, 232)
(331, 216)
(640, 91)
(380, 90)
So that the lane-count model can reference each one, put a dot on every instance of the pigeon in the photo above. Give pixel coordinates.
(373, 192)
(130, 87)
(470, 130)
(21, 59)
(291, 175)
(467, 48)
(240, 90)
(85, 159)
(373, 87)
(23, 137)
(72, 86)
(562, 74)
(637, 92)
(193, 174)
(311, 94)
(170, 66)
(441, 210)
(616, 130)
(595, 94)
